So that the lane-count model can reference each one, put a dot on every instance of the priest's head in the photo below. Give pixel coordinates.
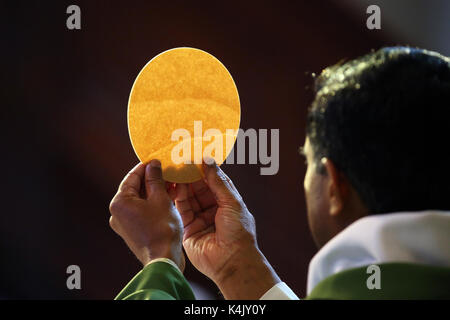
(376, 139)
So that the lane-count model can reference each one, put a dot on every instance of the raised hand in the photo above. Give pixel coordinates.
(143, 214)
(220, 236)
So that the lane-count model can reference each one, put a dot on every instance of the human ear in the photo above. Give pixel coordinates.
(337, 187)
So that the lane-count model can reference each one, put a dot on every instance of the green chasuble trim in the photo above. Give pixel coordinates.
(162, 281)
(398, 281)
(157, 281)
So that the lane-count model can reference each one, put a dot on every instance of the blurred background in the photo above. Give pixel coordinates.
(65, 144)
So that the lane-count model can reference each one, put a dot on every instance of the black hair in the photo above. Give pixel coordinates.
(382, 120)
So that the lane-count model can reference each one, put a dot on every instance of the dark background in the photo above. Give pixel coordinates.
(65, 144)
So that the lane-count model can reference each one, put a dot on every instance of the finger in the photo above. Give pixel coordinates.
(154, 182)
(194, 236)
(113, 224)
(198, 225)
(203, 194)
(220, 185)
(193, 201)
(183, 204)
(170, 188)
(208, 215)
(131, 184)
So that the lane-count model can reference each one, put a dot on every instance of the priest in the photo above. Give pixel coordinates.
(376, 189)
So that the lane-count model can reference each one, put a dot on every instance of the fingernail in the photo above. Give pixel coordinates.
(155, 163)
(210, 161)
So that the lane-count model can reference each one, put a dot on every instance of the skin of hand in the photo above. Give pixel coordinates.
(144, 215)
(220, 236)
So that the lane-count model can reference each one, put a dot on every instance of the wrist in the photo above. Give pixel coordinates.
(174, 254)
(247, 276)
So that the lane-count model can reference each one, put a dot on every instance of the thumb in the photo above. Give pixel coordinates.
(219, 184)
(154, 181)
